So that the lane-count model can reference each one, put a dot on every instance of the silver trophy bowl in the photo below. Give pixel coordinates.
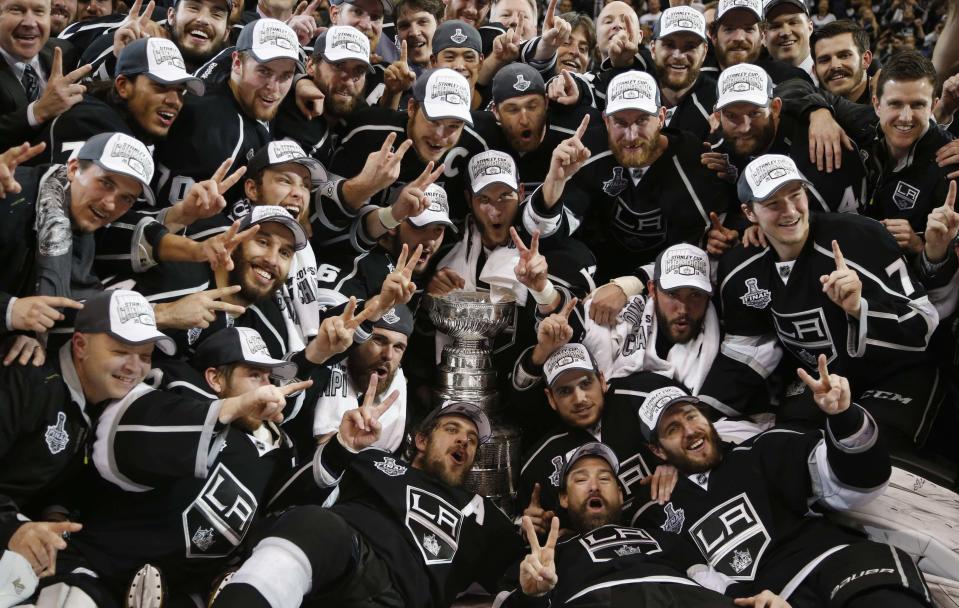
(469, 316)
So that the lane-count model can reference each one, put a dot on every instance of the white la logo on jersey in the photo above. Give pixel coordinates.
(221, 515)
(806, 334)
(390, 467)
(435, 525)
(56, 435)
(609, 542)
(730, 533)
(906, 196)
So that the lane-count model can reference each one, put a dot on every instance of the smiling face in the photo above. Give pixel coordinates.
(787, 34)
(448, 450)
(523, 120)
(62, 14)
(840, 67)
(904, 111)
(108, 368)
(465, 62)
(260, 87)
(494, 210)
(199, 28)
(366, 16)
(286, 186)
(750, 129)
(471, 11)
(153, 105)
(679, 58)
(261, 264)
(578, 397)
(432, 139)
(633, 136)
(573, 54)
(24, 27)
(784, 219)
(737, 38)
(416, 27)
(411, 235)
(591, 494)
(687, 440)
(342, 83)
(516, 14)
(99, 197)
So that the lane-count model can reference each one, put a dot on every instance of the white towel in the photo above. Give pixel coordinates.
(499, 270)
(341, 396)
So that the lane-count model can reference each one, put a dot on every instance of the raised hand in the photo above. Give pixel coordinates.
(563, 90)
(205, 199)
(39, 313)
(531, 270)
(506, 47)
(718, 163)
(719, 238)
(830, 391)
(555, 30)
(380, 170)
(360, 427)
(197, 309)
(335, 334)
(942, 226)
(218, 250)
(540, 518)
(398, 287)
(553, 333)
(136, 25)
(309, 98)
(949, 155)
(263, 403)
(10, 160)
(606, 302)
(948, 102)
(39, 542)
(661, 482)
(445, 281)
(567, 159)
(62, 92)
(303, 21)
(624, 45)
(843, 285)
(398, 77)
(537, 572)
(412, 201)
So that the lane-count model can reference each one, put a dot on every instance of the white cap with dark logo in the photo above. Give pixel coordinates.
(438, 210)
(744, 83)
(632, 90)
(492, 167)
(124, 315)
(160, 60)
(682, 265)
(467, 410)
(753, 6)
(240, 345)
(443, 93)
(593, 448)
(572, 356)
(680, 19)
(282, 152)
(656, 403)
(343, 42)
(268, 39)
(119, 153)
(261, 214)
(765, 175)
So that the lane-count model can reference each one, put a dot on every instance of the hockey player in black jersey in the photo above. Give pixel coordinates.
(754, 512)
(401, 534)
(599, 561)
(832, 284)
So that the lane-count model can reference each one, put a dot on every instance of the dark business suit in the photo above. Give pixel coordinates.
(14, 127)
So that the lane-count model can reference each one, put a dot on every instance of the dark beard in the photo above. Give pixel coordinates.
(687, 467)
(663, 325)
(248, 293)
(582, 522)
(334, 105)
(751, 58)
(361, 377)
(435, 466)
(761, 144)
(691, 76)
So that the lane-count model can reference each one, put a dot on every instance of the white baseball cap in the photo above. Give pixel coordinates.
(656, 403)
(444, 94)
(124, 315)
(765, 175)
(343, 42)
(268, 39)
(753, 6)
(744, 83)
(438, 211)
(492, 167)
(572, 356)
(680, 19)
(632, 90)
(262, 214)
(122, 154)
(160, 60)
(682, 265)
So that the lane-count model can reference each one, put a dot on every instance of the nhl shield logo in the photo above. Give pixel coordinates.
(616, 184)
(754, 296)
(675, 518)
(458, 36)
(390, 467)
(521, 83)
(56, 435)
(905, 196)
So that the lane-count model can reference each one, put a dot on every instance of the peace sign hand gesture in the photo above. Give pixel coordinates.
(843, 285)
(537, 572)
(412, 201)
(532, 269)
(379, 172)
(62, 92)
(335, 334)
(205, 199)
(10, 160)
(831, 391)
(398, 287)
(360, 427)
(136, 25)
(218, 250)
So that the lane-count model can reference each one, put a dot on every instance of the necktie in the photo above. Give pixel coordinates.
(31, 83)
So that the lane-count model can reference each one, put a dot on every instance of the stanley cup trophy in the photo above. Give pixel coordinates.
(466, 373)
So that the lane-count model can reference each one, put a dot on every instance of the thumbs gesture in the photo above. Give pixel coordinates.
(412, 201)
(380, 170)
(303, 21)
(831, 391)
(624, 45)
(218, 250)
(553, 333)
(941, 227)
(531, 270)
(567, 159)
(398, 287)
(843, 285)
(10, 160)
(263, 403)
(62, 92)
(360, 428)
(398, 77)
(538, 517)
(719, 238)
(537, 572)
(555, 30)
(335, 334)
(563, 90)
(205, 199)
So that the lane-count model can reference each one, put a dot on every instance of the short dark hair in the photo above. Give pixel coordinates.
(433, 7)
(908, 66)
(583, 20)
(837, 28)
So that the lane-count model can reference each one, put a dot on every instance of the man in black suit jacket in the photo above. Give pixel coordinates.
(33, 88)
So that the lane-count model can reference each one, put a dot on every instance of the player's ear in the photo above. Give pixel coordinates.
(420, 440)
(602, 381)
(495, 111)
(80, 344)
(657, 450)
(748, 212)
(549, 397)
(213, 379)
(776, 106)
(563, 499)
(250, 189)
(124, 86)
(171, 16)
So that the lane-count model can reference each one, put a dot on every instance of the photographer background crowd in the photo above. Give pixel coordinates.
(727, 232)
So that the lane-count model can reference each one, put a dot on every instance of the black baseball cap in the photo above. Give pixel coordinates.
(593, 448)
(516, 80)
(240, 345)
(261, 214)
(800, 5)
(456, 34)
(124, 315)
(466, 410)
(399, 319)
(282, 152)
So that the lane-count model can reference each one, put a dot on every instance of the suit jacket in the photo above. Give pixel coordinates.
(14, 127)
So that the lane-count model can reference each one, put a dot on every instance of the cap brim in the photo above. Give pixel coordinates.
(283, 370)
(760, 101)
(666, 284)
(193, 84)
(682, 30)
(579, 367)
(432, 217)
(486, 181)
(340, 57)
(440, 111)
(772, 191)
(471, 412)
(146, 194)
(162, 341)
(619, 107)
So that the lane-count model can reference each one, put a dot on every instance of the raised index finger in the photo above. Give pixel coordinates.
(79, 74)
(951, 196)
(56, 68)
(550, 13)
(840, 261)
(553, 534)
(295, 387)
(531, 534)
(403, 52)
(384, 405)
(824, 372)
(147, 15)
(388, 143)
(534, 244)
(414, 258)
(581, 130)
(569, 307)
(220, 172)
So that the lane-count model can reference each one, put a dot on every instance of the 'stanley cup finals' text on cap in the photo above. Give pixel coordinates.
(341, 43)
(753, 6)
(438, 210)
(680, 19)
(124, 315)
(744, 83)
(268, 39)
(573, 356)
(656, 403)
(122, 154)
(632, 90)
(492, 167)
(443, 93)
(261, 214)
(766, 175)
(240, 345)
(282, 152)
(160, 60)
(682, 265)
